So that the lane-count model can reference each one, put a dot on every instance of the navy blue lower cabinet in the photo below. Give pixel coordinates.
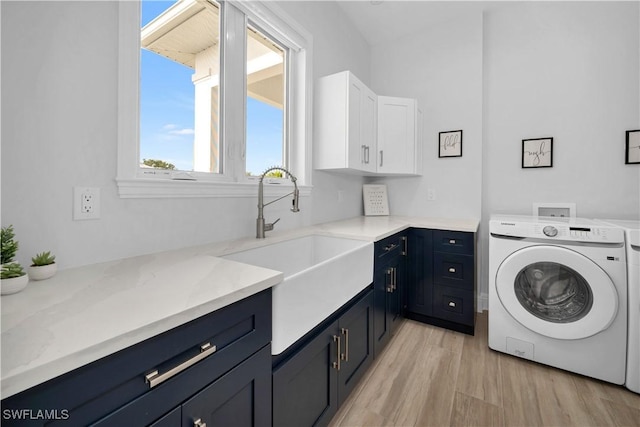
(442, 279)
(172, 419)
(229, 346)
(310, 384)
(356, 350)
(240, 398)
(420, 284)
(305, 387)
(389, 279)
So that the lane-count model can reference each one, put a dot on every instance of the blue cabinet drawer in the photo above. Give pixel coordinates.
(453, 270)
(454, 304)
(457, 242)
(389, 247)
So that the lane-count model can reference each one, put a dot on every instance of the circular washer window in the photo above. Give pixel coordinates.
(553, 292)
(556, 292)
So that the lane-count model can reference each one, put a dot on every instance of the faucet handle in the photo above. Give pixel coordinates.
(269, 226)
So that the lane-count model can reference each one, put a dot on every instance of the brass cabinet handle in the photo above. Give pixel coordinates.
(452, 241)
(389, 279)
(345, 355)
(154, 378)
(336, 365)
(452, 270)
(199, 423)
(404, 248)
(452, 304)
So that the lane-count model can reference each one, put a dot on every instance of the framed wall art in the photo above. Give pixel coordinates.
(632, 148)
(537, 153)
(450, 144)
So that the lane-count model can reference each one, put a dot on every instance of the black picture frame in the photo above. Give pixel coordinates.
(632, 147)
(450, 143)
(537, 153)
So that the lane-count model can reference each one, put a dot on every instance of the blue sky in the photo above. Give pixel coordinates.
(167, 111)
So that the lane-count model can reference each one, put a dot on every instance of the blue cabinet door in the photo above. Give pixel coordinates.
(305, 387)
(356, 330)
(240, 398)
(420, 277)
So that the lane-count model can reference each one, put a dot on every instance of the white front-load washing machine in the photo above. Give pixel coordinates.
(557, 294)
(632, 235)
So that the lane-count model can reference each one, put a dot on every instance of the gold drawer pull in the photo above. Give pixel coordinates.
(336, 364)
(452, 241)
(345, 356)
(452, 270)
(154, 378)
(452, 304)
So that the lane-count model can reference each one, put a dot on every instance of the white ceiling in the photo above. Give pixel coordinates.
(392, 19)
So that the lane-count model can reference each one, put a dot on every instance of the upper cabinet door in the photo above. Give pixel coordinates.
(345, 127)
(397, 135)
(357, 131)
(368, 131)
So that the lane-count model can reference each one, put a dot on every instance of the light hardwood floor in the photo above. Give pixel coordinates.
(428, 376)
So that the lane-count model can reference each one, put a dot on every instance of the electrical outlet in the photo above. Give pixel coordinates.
(86, 203)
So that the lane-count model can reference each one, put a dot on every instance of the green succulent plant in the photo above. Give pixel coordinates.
(9, 245)
(11, 270)
(43, 258)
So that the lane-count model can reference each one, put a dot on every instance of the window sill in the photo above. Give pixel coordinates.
(165, 188)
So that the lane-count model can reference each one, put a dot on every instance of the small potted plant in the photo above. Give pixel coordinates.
(43, 267)
(12, 277)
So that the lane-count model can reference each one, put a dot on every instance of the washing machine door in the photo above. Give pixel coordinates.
(556, 292)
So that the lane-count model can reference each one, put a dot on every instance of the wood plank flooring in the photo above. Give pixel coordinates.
(428, 376)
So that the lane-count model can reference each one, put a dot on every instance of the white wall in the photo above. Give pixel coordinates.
(337, 47)
(441, 66)
(521, 70)
(59, 117)
(570, 71)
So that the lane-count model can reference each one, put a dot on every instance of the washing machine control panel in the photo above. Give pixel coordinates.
(571, 231)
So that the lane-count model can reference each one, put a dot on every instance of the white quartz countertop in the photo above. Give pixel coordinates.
(83, 314)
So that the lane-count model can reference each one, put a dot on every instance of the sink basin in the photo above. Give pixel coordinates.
(321, 273)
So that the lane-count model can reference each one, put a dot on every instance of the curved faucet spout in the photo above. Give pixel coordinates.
(261, 226)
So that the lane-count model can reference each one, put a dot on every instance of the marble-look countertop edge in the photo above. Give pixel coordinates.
(15, 380)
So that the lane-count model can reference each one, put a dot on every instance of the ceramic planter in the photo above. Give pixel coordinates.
(41, 272)
(13, 285)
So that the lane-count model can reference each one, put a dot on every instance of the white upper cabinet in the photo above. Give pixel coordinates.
(345, 124)
(397, 135)
(357, 131)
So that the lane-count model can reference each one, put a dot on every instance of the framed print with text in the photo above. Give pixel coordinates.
(450, 144)
(537, 153)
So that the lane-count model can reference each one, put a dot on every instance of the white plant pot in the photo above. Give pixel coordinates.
(42, 272)
(13, 285)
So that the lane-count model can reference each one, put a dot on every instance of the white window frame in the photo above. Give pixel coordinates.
(233, 181)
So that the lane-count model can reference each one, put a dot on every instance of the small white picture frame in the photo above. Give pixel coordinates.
(450, 144)
(537, 153)
(376, 202)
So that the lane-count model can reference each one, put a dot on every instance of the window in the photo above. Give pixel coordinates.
(266, 103)
(179, 86)
(210, 92)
